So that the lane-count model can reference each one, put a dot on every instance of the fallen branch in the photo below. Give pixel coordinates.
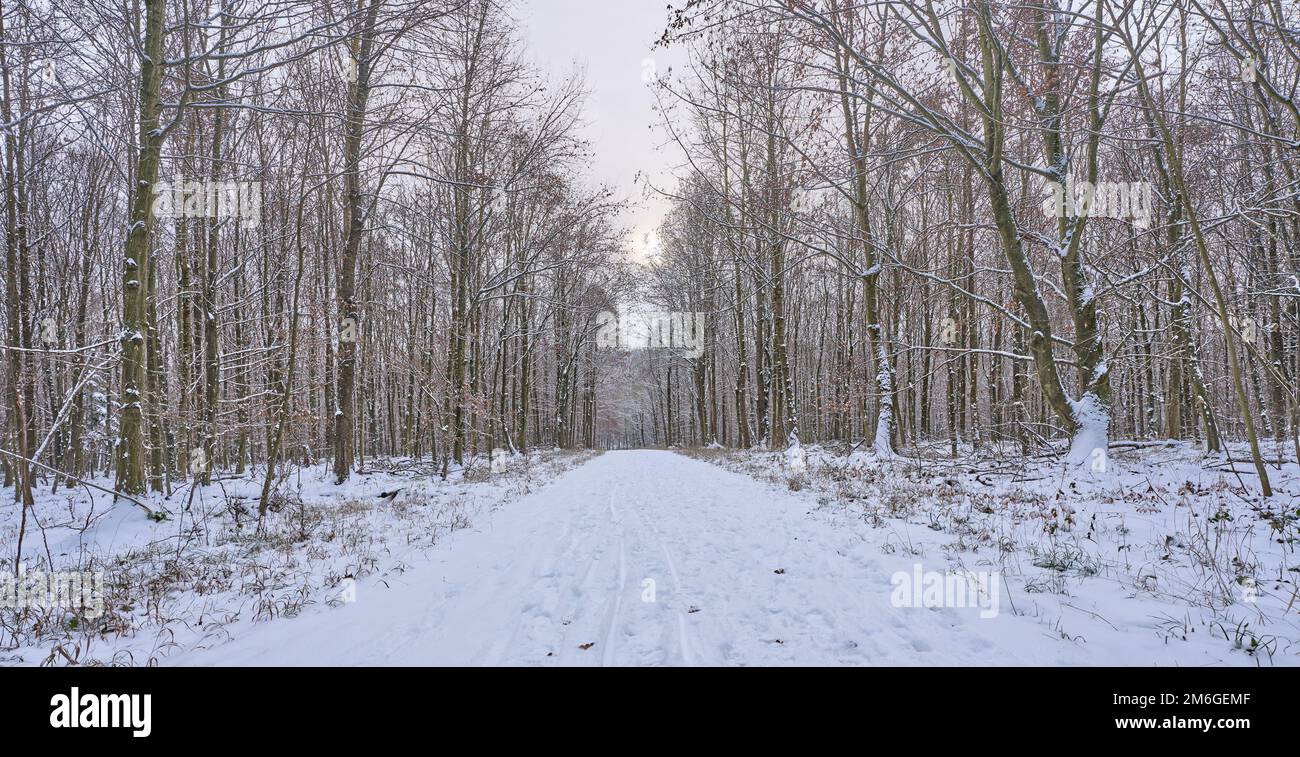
(82, 481)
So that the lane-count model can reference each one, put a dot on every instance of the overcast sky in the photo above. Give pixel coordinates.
(611, 41)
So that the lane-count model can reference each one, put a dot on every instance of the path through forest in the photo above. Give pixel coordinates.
(742, 572)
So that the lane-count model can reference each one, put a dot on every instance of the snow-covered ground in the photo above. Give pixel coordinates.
(1155, 555)
(655, 558)
(202, 576)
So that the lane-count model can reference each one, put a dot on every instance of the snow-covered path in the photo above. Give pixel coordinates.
(742, 574)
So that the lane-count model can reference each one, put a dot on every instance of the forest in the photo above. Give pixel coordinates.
(245, 234)
(965, 224)
(244, 239)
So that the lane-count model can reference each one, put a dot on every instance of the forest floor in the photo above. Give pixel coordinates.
(1165, 556)
(733, 558)
(204, 576)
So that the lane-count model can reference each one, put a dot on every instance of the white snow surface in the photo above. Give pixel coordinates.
(565, 567)
(653, 558)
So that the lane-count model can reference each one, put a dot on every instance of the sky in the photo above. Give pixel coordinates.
(611, 41)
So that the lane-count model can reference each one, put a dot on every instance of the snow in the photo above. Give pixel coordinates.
(882, 444)
(796, 460)
(568, 567)
(197, 576)
(1091, 439)
(654, 558)
(1160, 560)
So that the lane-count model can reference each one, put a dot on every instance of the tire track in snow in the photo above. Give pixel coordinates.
(612, 625)
(683, 636)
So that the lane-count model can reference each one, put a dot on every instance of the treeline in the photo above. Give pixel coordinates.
(251, 233)
(974, 223)
(245, 233)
